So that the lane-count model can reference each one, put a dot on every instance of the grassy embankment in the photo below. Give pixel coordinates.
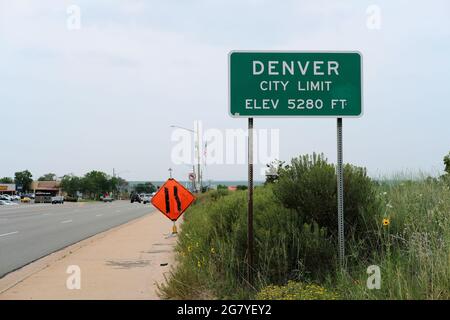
(412, 251)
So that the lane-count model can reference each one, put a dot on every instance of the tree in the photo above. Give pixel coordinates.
(24, 179)
(95, 183)
(71, 184)
(122, 184)
(146, 187)
(6, 180)
(309, 186)
(48, 177)
(447, 163)
(113, 184)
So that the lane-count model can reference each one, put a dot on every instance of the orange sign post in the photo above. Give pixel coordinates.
(172, 199)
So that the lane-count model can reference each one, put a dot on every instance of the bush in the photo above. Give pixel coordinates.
(309, 186)
(447, 163)
(296, 291)
(70, 199)
(211, 195)
(213, 246)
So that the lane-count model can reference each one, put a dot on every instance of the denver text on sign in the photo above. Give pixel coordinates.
(295, 84)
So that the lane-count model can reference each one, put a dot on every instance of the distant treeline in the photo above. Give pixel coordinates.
(96, 183)
(92, 185)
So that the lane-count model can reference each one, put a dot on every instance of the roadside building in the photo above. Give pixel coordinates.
(45, 190)
(7, 188)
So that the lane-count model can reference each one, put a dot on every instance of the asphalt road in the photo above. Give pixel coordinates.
(31, 231)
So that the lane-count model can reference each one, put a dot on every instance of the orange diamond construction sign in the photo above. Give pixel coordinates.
(172, 199)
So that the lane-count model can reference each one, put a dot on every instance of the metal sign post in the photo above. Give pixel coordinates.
(340, 195)
(250, 203)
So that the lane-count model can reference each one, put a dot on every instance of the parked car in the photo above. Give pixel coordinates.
(15, 198)
(7, 203)
(6, 197)
(107, 199)
(58, 199)
(145, 198)
(25, 200)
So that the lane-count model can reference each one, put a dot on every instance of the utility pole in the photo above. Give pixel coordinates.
(197, 145)
(194, 187)
(199, 160)
(114, 175)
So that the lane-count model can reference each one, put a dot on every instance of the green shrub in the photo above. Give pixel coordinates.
(309, 186)
(296, 291)
(447, 163)
(211, 195)
(70, 199)
(213, 246)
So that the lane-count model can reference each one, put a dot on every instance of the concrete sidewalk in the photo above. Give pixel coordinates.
(123, 263)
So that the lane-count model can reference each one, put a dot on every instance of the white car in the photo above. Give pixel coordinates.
(57, 199)
(5, 197)
(7, 203)
(145, 197)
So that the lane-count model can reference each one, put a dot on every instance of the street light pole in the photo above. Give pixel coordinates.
(198, 159)
(197, 145)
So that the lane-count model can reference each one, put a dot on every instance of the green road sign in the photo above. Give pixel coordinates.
(295, 84)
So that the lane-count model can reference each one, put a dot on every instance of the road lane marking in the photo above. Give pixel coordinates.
(9, 233)
(99, 215)
(66, 221)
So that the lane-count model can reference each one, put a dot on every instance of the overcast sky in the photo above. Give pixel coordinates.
(104, 96)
